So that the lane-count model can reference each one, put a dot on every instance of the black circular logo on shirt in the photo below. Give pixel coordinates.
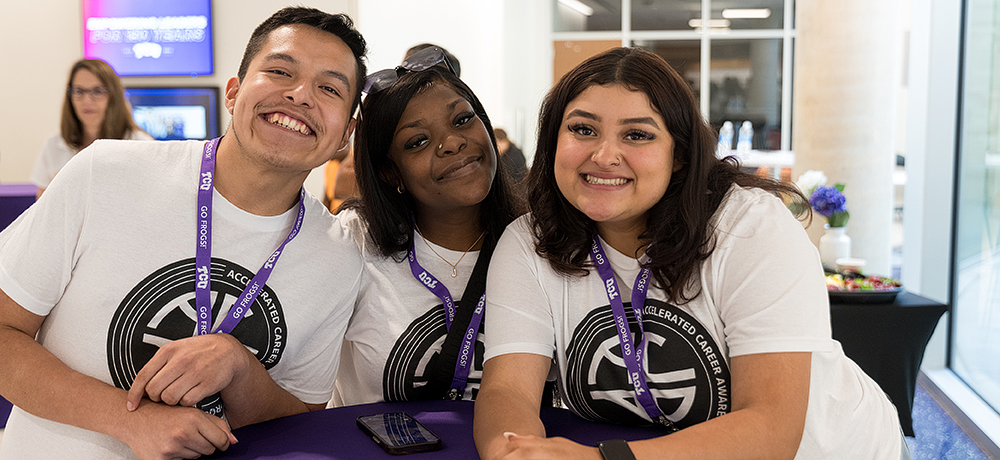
(161, 309)
(415, 356)
(686, 372)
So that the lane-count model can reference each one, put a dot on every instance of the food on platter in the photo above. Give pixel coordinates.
(841, 282)
(858, 288)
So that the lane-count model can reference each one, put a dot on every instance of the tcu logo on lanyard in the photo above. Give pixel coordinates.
(206, 181)
(611, 288)
(428, 281)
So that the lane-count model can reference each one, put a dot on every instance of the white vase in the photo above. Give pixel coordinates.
(833, 245)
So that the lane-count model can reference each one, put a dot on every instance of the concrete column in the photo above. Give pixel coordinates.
(764, 92)
(847, 72)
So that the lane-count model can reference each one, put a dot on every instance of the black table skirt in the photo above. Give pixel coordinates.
(887, 340)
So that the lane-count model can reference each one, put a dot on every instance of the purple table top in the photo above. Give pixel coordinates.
(14, 199)
(333, 434)
(5, 408)
(18, 190)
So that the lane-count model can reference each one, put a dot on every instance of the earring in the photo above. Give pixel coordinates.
(399, 189)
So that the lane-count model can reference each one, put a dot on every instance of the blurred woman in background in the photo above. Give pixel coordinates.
(94, 107)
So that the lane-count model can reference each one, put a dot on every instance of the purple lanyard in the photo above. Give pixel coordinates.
(631, 353)
(464, 362)
(203, 253)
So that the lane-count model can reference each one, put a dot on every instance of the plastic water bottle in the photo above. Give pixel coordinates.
(725, 140)
(745, 142)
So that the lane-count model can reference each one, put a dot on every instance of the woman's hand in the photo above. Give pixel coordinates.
(536, 448)
(509, 398)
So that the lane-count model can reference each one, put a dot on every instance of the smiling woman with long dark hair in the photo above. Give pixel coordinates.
(669, 287)
(433, 203)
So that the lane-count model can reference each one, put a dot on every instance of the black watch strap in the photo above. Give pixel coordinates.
(615, 449)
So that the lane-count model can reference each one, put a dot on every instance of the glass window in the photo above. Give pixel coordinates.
(745, 82)
(568, 54)
(750, 14)
(587, 15)
(745, 85)
(665, 14)
(683, 55)
(976, 313)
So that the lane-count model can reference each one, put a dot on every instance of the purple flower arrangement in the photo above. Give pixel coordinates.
(830, 202)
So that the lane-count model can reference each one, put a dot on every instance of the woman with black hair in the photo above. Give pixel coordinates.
(433, 202)
(669, 287)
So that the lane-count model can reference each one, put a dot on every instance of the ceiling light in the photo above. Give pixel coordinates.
(746, 13)
(712, 23)
(578, 6)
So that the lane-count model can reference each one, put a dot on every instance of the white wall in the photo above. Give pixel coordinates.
(31, 88)
(527, 69)
(42, 38)
(504, 47)
(472, 31)
(847, 70)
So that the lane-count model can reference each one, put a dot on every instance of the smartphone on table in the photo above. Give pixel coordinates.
(398, 433)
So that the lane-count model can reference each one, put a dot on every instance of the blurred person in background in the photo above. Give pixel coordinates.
(511, 156)
(339, 178)
(94, 107)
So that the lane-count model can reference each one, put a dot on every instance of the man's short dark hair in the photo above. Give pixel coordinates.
(340, 25)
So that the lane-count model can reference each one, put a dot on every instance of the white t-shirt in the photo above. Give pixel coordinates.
(107, 254)
(55, 154)
(762, 291)
(398, 326)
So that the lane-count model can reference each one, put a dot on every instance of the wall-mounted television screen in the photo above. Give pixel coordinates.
(176, 113)
(150, 38)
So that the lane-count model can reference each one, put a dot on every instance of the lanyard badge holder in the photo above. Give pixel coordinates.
(203, 270)
(631, 352)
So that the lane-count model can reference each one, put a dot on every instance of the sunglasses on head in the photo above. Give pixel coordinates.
(417, 62)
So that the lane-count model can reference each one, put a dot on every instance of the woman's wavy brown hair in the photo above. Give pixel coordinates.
(679, 226)
(117, 123)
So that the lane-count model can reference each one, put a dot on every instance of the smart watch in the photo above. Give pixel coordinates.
(615, 449)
